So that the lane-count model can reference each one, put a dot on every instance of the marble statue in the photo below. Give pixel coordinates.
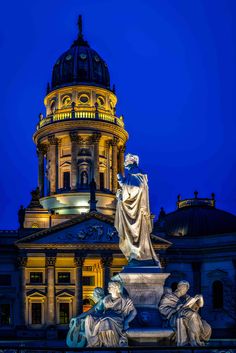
(181, 312)
(109, 329)
(76, 334)
(132, 220)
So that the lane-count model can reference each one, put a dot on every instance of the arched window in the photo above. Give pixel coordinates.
(174, 286)
(217, 294)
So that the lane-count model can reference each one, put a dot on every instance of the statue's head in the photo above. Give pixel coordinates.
(131, 160)
(183, 287)
(98, 293)
(114, 288)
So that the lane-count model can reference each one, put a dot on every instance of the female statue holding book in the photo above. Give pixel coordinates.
(181, 312)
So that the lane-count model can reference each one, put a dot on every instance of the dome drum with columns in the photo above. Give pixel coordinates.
(80, 138)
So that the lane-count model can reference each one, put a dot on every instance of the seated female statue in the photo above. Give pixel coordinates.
(108, 330)
(76, 334)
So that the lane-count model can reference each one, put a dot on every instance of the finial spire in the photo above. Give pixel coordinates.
(80, 26)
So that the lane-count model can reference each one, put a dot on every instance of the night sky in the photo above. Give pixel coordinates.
(173, 64)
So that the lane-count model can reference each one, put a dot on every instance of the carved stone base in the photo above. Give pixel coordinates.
(145, 286)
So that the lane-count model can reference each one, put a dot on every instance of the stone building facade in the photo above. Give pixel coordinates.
(67, 245)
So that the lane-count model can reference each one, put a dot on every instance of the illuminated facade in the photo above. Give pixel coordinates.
(79, 138)
(66, 246)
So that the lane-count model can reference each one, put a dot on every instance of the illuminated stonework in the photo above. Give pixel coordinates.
(79, 138)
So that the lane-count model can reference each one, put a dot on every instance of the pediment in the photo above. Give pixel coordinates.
(65, 293)
(91, 228)
(35, 293)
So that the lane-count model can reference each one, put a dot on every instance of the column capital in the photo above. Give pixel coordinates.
(122, 149)
(114, 141)
(106, 261)
(96, 136)
(74, 137)
(53, 140)
(51, 260)
(79, 261)
(42, 148)
(21, 261)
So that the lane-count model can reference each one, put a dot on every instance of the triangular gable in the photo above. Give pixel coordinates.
(35, 293)
(89, 228)
(65, 293)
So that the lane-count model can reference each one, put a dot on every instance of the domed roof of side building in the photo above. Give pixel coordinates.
(195, 217)
(80, 64)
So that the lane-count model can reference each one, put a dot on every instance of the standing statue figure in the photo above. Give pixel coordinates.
(76, 335)
(181, 312)
(108, 330)
(133, 220)
(21, 216)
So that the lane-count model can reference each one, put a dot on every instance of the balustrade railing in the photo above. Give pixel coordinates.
(76, 115)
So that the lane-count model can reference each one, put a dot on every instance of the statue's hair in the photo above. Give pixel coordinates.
(183, 283)
(133, 157)
(116, 284)
(99, 292)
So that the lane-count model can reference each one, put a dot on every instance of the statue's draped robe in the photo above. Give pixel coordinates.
(107, 330)
(186, 322)
(132, 219)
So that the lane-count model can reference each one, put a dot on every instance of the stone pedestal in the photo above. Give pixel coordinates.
(145, 286)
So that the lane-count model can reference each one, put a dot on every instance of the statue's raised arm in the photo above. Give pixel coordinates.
(133, 219)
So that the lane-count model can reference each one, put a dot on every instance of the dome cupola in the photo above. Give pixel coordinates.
(80, 65)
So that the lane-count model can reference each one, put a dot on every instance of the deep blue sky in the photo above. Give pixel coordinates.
(173, 63)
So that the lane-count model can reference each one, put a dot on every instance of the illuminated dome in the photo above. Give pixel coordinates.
(80, 65)
(196, 217)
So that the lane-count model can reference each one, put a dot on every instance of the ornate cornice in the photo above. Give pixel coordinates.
(81, 126)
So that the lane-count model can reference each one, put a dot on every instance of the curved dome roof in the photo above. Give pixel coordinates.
(80, 65)
(196, 217)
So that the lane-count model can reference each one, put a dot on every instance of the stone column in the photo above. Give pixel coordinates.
(21, 264)
(106, 262)
(41, 150)
(114, 143)
(95, 139)
(51, 312)
(121, 159)
(78, 261)
(74, 152)
(196, 267)
(108, 173)
(53, 141)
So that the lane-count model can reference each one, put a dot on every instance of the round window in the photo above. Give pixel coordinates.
(68, 57)
(96, 58)
(100, 101)
(83, 98)
(66, 100)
